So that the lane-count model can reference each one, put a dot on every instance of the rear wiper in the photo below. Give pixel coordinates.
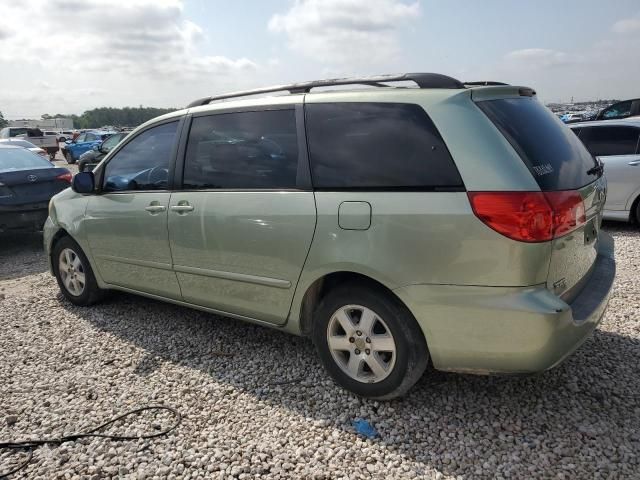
(597, 170)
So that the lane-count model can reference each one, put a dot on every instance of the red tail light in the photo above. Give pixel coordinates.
(529, 216)
(65, 177)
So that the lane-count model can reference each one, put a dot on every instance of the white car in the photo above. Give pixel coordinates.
(617, 144)
(18, 142)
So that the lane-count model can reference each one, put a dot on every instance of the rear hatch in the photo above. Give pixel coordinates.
(567, 175)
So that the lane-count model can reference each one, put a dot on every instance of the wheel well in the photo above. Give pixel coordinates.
(633, 214)
(319, 289)
(56, 238)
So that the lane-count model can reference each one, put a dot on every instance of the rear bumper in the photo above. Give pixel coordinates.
(509, 330)
(23, 220)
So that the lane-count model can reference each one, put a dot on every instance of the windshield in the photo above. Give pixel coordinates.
(556, 158)
(12, 159)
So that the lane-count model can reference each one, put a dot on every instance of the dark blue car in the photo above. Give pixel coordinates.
(83, 143)
(27, 183)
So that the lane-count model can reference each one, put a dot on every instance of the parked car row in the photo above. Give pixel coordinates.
(73, 149)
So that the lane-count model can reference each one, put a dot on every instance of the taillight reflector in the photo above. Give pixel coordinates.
(529, 216)
(65, 177)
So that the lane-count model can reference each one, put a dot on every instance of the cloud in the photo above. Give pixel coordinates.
(539, 58)
(345, 32)
(628, 25)
(143, 37)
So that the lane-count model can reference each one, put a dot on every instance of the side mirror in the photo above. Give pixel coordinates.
(83, 182)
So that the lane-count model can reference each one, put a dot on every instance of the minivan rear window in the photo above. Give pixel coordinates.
(556, 158)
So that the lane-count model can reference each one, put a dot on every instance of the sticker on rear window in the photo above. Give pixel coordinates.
(542, 169)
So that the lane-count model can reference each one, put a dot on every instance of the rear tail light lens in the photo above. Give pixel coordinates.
(65, 177)
(529, 216)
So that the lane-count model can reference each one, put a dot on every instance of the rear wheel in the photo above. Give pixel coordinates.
(74, 274)
(52, 156)
(68, 157)
(369, 342)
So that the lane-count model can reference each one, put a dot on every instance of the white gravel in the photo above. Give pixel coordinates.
(64, 368)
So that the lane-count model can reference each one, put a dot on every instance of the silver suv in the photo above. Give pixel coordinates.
(452, 224)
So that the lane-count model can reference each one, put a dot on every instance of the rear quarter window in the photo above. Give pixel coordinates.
(555, 156)
(377, 146)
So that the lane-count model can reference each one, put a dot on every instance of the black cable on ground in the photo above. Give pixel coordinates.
(30, 445)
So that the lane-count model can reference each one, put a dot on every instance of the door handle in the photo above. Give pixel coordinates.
(182, 207)
(155, 208)
(635, 163)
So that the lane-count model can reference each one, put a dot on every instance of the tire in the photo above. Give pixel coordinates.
(52, 156)
(67, 252)
(637, 212)
(62, 139)
(69, 158)
(380, 374)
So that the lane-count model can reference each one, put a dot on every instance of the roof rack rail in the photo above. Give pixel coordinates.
(423, 80)
(485, 83)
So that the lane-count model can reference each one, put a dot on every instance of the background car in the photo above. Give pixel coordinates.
(617, 144)
(35, 136)
(16, 142)
(27, 183)
(624, 109)
(91, 158)
(84, 142)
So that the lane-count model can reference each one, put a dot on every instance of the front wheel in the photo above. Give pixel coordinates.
(69, 158)
(369, 342)
(74, 274)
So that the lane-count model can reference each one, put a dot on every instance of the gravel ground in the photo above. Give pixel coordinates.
(64, 368)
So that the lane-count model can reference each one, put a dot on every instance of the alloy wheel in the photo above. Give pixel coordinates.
(72, 272)
(361, 343)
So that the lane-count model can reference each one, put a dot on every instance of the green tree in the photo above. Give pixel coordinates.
(3, 122)
(117, 117)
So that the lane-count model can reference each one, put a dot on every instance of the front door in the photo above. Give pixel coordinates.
(616, 146)
(242, 225)
(126, 223)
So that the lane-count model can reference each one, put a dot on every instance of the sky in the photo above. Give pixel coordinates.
(68, 56)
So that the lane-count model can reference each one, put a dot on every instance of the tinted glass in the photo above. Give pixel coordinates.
(17, 131)
(12, 159)
(556, 158)
(81, 137)
(617, 110)
(90, 137)
(112, 141)
(143, 163)
(242, 150)
(603, 141)
(377, 145)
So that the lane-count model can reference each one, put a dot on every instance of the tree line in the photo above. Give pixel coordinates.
(116, 117)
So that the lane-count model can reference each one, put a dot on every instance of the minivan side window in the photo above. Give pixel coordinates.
(242, 150)
(143, 163)
(605, 141)
(377, 146)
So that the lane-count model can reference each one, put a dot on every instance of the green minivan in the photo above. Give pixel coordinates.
(447, 223)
